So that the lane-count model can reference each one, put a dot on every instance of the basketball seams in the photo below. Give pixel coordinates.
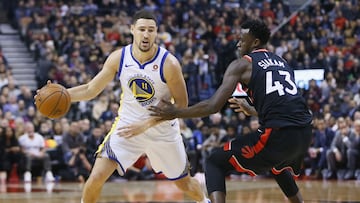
(46, 98)
(54, 110)
(54, 101)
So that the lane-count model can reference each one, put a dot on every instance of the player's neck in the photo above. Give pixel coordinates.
(259, 48)
(143, 57)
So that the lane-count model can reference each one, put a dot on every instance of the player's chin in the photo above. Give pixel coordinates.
(145, 46)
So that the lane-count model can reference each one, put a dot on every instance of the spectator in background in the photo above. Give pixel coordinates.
(57, 132)
(190, 72)
(79, 165)
(65, 125)
(44, 66)
(190, 146)
(11, 105)
(111, 112)
(45, 130)
(3, 76)
(336, 156)
(85, 127)
(72, 140)
(353, 151)
(216, 139)
(74, 150)
(107, 126)
(33, 147)
(9, 152)
(323, 137)
(100, 106)
(26, 95)
(92, 143)
(345, 104)
(13, 88)
(3, 166)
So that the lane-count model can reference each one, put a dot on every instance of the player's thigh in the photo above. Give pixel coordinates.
(123, 151)
(169, 158)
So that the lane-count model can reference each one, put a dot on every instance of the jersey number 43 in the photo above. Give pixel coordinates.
(273, 85)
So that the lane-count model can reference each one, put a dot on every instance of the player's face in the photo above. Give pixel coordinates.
(245, 43)
(144, 32)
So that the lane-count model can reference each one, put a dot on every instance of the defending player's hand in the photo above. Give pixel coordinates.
(166, 111)
(240, 105)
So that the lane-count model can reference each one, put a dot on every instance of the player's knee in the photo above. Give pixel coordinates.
(97, 177)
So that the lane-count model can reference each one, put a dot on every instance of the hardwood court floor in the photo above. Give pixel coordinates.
(239, 191)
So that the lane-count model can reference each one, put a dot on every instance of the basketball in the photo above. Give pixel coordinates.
(53, 101)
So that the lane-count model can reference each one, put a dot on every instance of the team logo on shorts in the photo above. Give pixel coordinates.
(142, 89)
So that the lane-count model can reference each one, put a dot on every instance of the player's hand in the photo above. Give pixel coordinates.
(38, 90)
(240, 105)
(167, 111)
(132, 129)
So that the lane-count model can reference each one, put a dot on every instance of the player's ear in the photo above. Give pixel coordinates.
(256, 42)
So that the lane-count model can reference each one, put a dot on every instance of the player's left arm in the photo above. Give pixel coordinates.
(175, 81)
(176, 84)
(241, 105)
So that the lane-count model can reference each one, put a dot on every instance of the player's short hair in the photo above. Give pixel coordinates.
(144, 14)
(258, 29)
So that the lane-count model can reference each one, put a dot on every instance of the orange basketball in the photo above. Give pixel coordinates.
(53, 101)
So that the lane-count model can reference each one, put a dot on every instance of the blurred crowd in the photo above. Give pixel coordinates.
(70, 41)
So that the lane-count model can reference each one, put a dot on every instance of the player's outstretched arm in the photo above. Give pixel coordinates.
(98, 83)
(236, 72)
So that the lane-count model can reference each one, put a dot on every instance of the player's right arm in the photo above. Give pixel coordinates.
(99, 82)
(238, 71)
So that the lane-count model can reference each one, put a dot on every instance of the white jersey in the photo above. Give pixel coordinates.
(144, 85)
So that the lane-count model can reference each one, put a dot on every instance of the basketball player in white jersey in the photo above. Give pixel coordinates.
(147, 73)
